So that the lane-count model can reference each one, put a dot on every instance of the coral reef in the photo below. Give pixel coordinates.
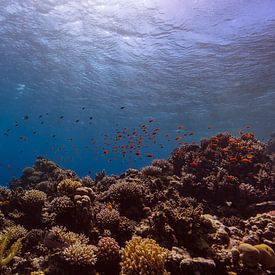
(208, 209)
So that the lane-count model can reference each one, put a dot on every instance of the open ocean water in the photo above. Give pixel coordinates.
(78, 78)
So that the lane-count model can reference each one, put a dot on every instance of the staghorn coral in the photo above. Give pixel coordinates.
(143, 256)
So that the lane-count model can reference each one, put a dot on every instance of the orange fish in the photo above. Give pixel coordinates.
(105, 152)
(249, 156)
(247, 136)
(245, 160)
(230, 178)
(233, 159)
(224, 150)
(178, 138)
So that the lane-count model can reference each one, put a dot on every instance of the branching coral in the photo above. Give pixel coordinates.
(80, 254)
(34, 198)
(143, 256)
(68, 186)
(108, 253)
(61, 233)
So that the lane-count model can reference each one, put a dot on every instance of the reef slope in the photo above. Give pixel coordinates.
(208, 209)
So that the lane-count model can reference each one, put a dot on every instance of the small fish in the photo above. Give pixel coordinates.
(105, 152)
(34, 132)
(138, 153)
(149, 155)
(122, 107)
(194, 164)
(233, 159)
(151, 120)
(77, 120)
(214, 145)
(61, 117)
(224, 150)
(26, 117)
(90, 117)
(53, 136)
(42, 122)
(230, 178)
(249, 156)
(178, 138)
(246, 161)
(83, 108)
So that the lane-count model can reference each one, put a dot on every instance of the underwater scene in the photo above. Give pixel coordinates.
(137, 137)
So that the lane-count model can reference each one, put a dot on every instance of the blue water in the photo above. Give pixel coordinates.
(196, 62)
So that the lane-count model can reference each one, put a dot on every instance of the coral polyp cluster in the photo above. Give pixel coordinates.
(208, 209)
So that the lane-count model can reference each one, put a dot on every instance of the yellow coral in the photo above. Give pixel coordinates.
(37, 273)
(80, 254)
(68, 186)
(34, 197)
(267, 255)
(143, 256)
(7, 254)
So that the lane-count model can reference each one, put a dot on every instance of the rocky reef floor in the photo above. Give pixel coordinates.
(208, 209)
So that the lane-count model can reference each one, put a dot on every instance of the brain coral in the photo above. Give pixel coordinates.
(143, 256)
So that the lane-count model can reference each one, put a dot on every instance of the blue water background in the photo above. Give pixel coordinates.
(197, 62)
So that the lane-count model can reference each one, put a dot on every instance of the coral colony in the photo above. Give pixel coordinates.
(208, 209)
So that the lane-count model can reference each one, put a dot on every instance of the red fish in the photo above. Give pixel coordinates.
(178, 138)
(194, 164)
(149, 155)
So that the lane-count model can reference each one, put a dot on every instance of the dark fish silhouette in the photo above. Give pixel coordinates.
(83, 108)
(77, 120)
(90, 117)
(122, 107)
(26, 117)
(61, 117)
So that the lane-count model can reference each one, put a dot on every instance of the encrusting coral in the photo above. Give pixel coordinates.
(208, 209)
